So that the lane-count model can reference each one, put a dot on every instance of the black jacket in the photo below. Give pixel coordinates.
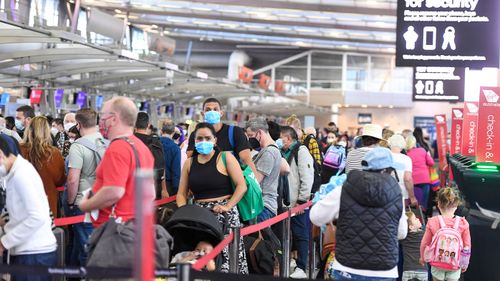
(367, 229)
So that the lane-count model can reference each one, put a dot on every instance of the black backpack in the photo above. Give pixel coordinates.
(317, 168)
(262, 253)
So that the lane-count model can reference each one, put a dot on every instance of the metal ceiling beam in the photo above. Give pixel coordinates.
(47, 59)
(270, 33)
(51, 52)
(141, 11)
(116, 77)
(318, 7)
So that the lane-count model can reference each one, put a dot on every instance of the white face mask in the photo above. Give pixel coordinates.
(54, 131)
(342, 143)
(3, 171)
(68, 126)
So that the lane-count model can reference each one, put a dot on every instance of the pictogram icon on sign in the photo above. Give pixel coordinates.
(458, 113)
(449, 38)
(472, 107)
(490, 96)
(410, 37)
(429, 33)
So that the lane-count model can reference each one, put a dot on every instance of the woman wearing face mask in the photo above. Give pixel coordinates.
(73, 135)
(48, 161)
(335, 150)
(210, 181)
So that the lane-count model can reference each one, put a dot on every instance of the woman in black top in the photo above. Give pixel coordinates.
(210, 182)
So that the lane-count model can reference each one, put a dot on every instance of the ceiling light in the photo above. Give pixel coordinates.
(318, 17)
(133, 17)
(230, 25)
(364, 106)
(120, 15)
(379, 106)
(203, 9)
(118, 11)
(305, 30)
(166, 32)
(255, 40)
(154, 26)
(177, 20)
(300, 43)
(230, 11)
(346, 105)
(280, 28)
(171, 6)
(202, 22)
(391, 106)
(290, 15)
(345, 46)
(255, 26)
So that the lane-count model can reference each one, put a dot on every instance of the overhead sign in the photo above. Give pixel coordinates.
(470, 124)
(457, 117)
(448, 33)
(438, 84)
(245, 74)
(441, 138)
(35, 95)
(488, 135)
(364, 118)
(58, 97)
(264, 81)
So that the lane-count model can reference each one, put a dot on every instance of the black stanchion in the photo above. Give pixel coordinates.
(285, 262)
(183, 272)
(234, 250)
(312, 254)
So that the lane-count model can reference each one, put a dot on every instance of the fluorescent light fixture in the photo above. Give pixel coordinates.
(318, 17)
(177, 20)
(280, 28)
(379, 106)
(171, 6)
(306, 30)
(346, 105)
(229, 11)
(166, 32)
(345, 46)
(7, 60)
(391, 106)
(154, 26)
(133, 17)
(364, 106)
(118, 11)
(120, 15)
(202, 22)
(255, 26)
(202, 9)
(255, 40)
(230, 25)
(290, 15)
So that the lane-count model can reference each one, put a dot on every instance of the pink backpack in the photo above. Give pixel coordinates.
(446, 247)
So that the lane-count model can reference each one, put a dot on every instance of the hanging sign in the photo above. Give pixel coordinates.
(438, 84)
(245, 75)
(469, 133)
(457, 117)
(488, 136)
(264, 81)
(448, 33)
(441, 138)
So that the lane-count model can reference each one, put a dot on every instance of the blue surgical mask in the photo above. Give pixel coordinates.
(212, 117)
(204, 147)
(279, 143)
(19, 125)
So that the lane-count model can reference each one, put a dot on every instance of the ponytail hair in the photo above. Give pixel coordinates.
(448, 198)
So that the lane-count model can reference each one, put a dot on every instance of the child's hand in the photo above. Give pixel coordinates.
(421, 260)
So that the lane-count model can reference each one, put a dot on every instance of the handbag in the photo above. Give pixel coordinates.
(112, 244)
(252, 204)
(435, 182)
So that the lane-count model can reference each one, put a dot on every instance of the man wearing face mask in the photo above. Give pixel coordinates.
(172, 154)
(267, 162)
(24, 114)
(27, 235)
(69, 121)
(58, 133)
(114, 186)
(300, 182)
(236, 142)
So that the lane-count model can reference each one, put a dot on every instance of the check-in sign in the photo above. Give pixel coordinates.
(469, 133)
(488, 137)
(448, 33)
(457, 118)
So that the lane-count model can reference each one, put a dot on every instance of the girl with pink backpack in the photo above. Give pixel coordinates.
(446, 243)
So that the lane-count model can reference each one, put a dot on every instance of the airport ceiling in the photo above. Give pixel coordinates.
(346, 25)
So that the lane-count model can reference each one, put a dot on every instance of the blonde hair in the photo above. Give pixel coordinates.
(38, 140)
(448, 198)
(294, 122)
(409, 216)
(411, 142)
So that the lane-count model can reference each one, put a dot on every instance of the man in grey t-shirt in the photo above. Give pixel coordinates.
(267, 163)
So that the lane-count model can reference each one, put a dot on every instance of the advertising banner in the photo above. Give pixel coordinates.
(460, 33)
(438, 83)
(81, 99)
(58, 97)
(457, 118)
(488, 135)
(469, 133)
(35, 96)
(441, 138)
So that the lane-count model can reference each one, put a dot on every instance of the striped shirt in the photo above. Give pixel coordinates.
(354, 158)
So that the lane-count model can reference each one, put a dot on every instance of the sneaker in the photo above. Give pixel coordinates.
(298, 274)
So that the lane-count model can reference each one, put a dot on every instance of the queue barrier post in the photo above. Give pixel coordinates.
(312, 253)
(183, 271)
(285, 263)
(234, 250)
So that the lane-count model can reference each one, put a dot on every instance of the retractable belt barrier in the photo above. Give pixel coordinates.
(80, 219)
(202, 262)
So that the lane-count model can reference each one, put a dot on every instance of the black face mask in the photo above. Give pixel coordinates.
(254, 143)
(176, 136)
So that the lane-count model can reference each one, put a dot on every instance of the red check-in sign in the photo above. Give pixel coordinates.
(457, 118)
(488, 136)
(441, 133)
(470, 124)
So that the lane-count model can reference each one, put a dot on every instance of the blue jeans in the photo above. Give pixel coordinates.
(300, 237)
(265, 215)
(81, 234)
(48, 259)
(344, 276)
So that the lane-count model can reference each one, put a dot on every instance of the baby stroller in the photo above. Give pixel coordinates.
(191, 224)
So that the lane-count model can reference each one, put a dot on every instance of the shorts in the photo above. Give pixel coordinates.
(442, 274)
(415, 275)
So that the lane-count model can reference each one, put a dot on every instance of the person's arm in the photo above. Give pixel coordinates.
(306, 174)
(34, 219)
(426, 240)
(58, 168)
(164, 191)
(327, 209)
(106, 197)
(408, 181)
(428, 159)
(264, 165)
(246, 158)
(72, 184)
(284, 167)
(314, 147)
(182, 192)
(234, 171)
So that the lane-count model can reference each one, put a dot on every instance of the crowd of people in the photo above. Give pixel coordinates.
(372, 219)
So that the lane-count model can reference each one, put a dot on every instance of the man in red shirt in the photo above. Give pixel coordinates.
(115, 183)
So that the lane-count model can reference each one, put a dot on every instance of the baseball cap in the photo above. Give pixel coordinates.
(380, 158)
(372, 130)
(397, 141)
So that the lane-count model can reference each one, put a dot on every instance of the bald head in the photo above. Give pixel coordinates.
(69, 118)
(125, 109)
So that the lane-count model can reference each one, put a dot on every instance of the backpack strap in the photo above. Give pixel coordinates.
(457, 222)
(91, 146)
(231, 136)
(441, 222)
